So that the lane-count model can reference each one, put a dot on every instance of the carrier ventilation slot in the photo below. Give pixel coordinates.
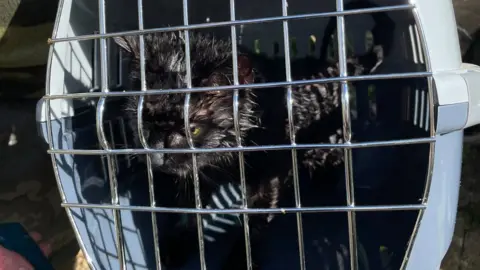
(115, 65)
(421, 108)
(312, 46)
(116, 134)
(418, 57)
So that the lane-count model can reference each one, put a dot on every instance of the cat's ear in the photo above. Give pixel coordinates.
(216, 79)
(128, 43)
(245, 70)
(245, 74)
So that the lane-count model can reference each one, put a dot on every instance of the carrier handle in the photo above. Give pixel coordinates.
(382, 31)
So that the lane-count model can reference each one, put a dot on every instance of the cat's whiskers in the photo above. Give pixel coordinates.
(220, 169)
(132, 157)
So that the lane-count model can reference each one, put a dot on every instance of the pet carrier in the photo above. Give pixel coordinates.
(392, 206)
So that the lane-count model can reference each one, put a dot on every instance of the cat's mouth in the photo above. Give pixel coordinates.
(175, 164)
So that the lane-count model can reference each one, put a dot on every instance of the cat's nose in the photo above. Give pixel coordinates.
(175, 140)
(158, 159)
(159, 144)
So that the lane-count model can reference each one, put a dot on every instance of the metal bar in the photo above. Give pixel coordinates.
(244, 148)
(143, 140)
(253, 211)
(112, 141)
(296, 184)
(347, 134)
(101, 134)
(244, 86)
(196, 180)
(123, 130)
(241, 159)
(238, 22)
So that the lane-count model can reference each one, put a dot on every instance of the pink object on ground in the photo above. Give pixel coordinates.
(10, 260)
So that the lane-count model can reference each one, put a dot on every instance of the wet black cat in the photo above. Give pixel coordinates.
(262, 117)
(210, 115)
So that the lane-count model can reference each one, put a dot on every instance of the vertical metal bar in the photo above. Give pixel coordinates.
(241, 159)
(101, 133)
(142, 138)
(124, 138)
(347, 133)
(196, 181)
(112, 141)
(104, 167)
(288, 74)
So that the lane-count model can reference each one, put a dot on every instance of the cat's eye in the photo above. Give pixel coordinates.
(195, 131)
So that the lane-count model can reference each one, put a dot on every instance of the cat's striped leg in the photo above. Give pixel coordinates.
(227, 196)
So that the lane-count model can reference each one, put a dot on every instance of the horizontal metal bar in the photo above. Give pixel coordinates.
(242, 149)
(243, 86)
(369, 208)
(237, 22)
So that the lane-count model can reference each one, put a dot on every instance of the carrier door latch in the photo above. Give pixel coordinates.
(460, 86)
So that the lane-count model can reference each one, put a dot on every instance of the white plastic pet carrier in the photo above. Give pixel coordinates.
(401, 174)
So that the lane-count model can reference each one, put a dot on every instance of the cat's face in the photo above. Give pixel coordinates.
(211, 125)
(210, 114)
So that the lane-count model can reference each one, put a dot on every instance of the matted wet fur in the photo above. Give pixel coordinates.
(262, 117)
